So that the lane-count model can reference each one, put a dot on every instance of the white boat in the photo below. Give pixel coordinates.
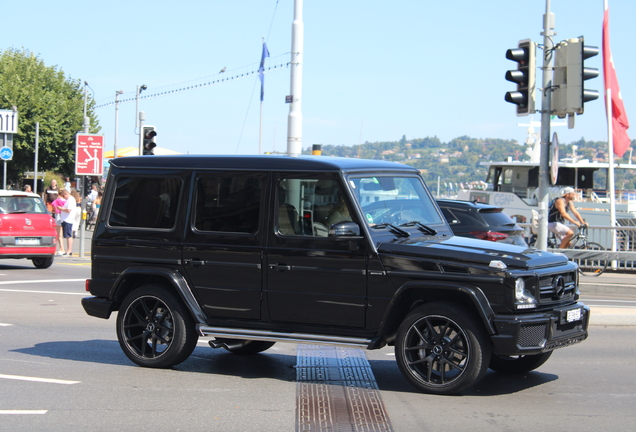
(513, 185)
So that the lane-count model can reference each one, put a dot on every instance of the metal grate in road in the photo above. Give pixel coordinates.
(336, 392)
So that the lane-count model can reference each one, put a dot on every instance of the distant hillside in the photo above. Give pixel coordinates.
(459, 159)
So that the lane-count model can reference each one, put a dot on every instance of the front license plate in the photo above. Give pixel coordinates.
(27, 241)
(573, 315)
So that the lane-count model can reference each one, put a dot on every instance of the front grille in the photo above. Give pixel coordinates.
(532, 335)
(557, 287)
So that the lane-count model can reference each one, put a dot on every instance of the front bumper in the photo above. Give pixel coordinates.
(540, 332)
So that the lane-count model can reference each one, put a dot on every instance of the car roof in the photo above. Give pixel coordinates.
(15, 193)
(259, 162)
(473, 204)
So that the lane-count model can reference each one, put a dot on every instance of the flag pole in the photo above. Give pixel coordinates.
(260, 130)
(610, 172)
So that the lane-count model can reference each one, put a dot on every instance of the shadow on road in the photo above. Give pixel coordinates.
(389, 378)
(270, 364)
(94, 351)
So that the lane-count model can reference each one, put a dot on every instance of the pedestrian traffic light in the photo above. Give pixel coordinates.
(570, 73)
(524, 76)
(149, 140)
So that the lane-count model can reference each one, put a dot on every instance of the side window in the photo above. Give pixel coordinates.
(308, 206)
(228, 203)
(145, 202)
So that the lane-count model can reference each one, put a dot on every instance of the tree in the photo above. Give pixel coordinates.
(45, 95)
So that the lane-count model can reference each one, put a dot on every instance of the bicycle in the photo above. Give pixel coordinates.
(589, 264)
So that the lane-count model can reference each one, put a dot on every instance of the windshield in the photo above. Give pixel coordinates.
(395, 200)
(22, 204)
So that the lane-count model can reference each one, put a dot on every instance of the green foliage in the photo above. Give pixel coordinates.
(42, 94)
(458, 160)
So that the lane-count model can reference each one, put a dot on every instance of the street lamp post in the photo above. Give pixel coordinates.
(117, 93)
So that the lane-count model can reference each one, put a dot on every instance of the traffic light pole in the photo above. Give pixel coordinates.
(546, 107)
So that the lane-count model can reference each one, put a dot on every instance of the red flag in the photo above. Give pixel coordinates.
(620, 124)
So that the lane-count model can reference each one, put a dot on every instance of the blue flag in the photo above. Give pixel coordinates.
(261, 69)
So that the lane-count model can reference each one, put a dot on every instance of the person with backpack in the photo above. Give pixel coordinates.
(558, 214)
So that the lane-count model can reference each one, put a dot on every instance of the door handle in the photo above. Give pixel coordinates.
(193, 262)
(280, 267)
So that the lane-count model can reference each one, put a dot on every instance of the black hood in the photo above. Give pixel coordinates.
(467, 250)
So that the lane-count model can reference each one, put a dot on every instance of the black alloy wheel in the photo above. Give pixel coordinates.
(154, 328)
(441, 348)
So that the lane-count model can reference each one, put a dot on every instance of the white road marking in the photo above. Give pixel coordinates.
(44, 292)
(40, 281)
(23, 412)
(36, 379)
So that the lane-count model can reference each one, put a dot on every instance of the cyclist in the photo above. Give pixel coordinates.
(558, 214)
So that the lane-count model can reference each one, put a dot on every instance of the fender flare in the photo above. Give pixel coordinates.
(173, 276)
(434, 290)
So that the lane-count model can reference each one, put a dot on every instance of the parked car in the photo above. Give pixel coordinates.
(482, 221)
(251, 250)
(27, 230)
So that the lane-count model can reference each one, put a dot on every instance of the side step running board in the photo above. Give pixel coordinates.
(265, 335)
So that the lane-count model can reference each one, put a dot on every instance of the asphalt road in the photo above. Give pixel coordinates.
(61, 370)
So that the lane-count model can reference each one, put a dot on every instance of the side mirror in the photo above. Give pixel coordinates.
(344, 229)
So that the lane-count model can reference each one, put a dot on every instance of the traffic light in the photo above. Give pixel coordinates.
(524, 76)
(149, 140)
(570, 73)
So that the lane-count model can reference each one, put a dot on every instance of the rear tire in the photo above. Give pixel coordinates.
(154, 328)
(594, 266)
(442, 348)
(42, 262)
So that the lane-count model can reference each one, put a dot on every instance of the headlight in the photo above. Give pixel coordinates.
(523, 298)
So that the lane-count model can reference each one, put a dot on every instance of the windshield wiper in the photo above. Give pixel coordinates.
(424, 228)
(394, 229)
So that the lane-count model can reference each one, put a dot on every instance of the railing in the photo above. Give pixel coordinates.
(624, 258)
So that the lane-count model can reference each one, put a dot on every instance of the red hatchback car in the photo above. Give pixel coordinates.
(27, 230)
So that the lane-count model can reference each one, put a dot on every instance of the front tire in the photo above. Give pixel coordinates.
(518, 364)
(154, 328)
(442, 348)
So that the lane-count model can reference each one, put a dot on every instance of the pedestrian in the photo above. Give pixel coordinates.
(50, 195)
(57, 204)
(67, 183)
(93, 194)
(76, 214)
(67, 220)
(27, 188)
(558, 214)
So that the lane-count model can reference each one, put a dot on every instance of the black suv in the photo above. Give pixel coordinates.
(257, 249)
(482, 221)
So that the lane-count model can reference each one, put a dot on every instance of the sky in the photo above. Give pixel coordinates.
(372, 71)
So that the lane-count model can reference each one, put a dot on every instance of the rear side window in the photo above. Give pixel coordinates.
(145, 202)
(227, 203)
(461, 218)
(496, 218)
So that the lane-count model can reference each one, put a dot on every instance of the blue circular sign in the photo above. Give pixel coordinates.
(6, 153)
